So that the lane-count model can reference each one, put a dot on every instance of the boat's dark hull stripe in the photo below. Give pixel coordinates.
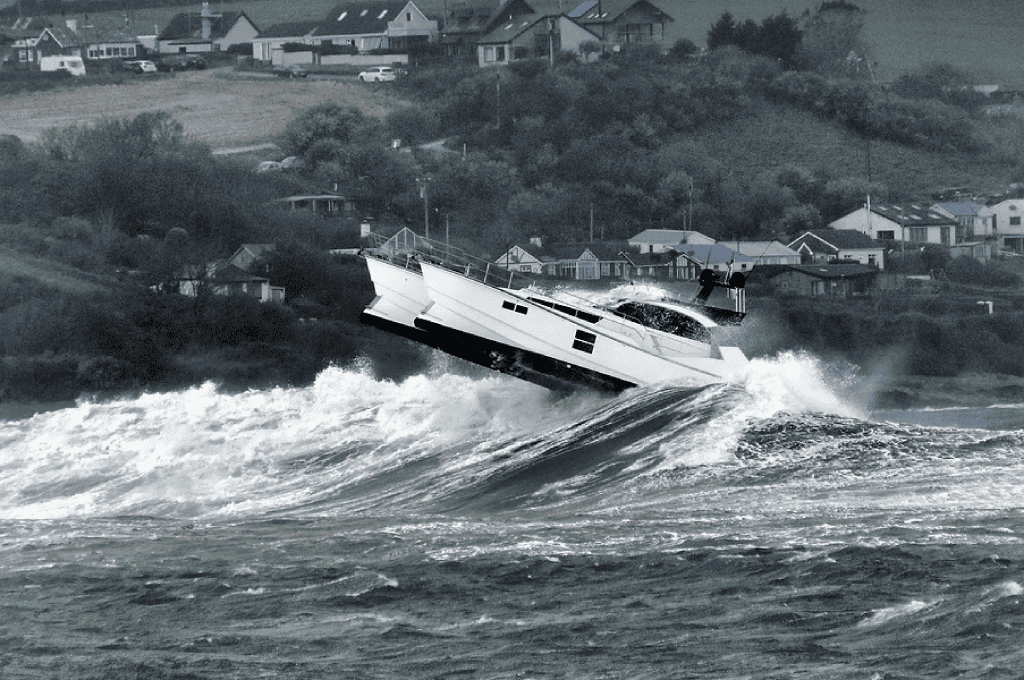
(535, 368)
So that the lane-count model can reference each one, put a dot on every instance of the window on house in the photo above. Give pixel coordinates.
(886, 235)
(1015, 221)
(408, 16)
(918, 234)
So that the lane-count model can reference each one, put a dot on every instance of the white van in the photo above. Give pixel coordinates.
(59, 62)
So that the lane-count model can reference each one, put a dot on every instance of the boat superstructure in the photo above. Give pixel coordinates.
(508, 322)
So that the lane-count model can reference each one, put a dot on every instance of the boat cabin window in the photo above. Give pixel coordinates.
(666, 320)
(566, 309)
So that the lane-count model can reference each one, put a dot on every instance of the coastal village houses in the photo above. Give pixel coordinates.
(349, 29)
(360, 33)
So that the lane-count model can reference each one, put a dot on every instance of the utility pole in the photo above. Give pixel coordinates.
(426, 210)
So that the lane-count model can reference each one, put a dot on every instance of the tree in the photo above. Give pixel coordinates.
(327, 121)
(722, 32)
(832, 42)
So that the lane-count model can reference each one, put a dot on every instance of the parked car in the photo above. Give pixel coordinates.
(141, 66)
(378, 74)
(293, 71)
(180, 62)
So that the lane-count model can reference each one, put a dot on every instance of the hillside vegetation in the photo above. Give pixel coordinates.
(734, 145)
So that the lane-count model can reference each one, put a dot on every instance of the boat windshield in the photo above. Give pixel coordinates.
(664, 319)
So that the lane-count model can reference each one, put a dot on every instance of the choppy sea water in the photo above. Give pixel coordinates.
(451, 526)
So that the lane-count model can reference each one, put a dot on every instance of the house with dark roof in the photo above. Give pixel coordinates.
(623, 22)
(234, 276)
(466, 22)
(227, 279)
(531, 36)
(376, 25)
(817, 280)
(831, 246)
(62, 40)
(17, 40)
(269, 44)
(206, 31)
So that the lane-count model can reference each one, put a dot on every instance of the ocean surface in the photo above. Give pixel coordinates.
(459, 525)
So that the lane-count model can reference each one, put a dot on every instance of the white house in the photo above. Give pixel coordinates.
(1006, 223)
(519, 259)
(912, 224)
(840, 246)
(659, 240)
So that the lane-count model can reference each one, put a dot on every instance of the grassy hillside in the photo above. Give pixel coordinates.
(778, 135)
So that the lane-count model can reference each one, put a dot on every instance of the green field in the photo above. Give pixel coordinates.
(982, 37)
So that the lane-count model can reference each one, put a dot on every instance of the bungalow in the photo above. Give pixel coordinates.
(623, 22)
(531, 36)
(657, 240)
(716, 256)
(900, 224)
(580, 262)
(317, 204)
(228, 279)
(1006, 223)
(819, 280)
(764, 252)
(206, 31)
(664, 265)
(832, 246)
(376, 25)
(108, 41)
(269, 44)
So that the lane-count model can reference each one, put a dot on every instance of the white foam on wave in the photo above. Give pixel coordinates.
(201, 452)
(798, 382)
(897, 612)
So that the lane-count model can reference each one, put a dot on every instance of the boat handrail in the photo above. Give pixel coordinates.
(410, 251)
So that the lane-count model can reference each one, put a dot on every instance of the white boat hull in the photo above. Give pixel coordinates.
(611, 350)
(401, 294)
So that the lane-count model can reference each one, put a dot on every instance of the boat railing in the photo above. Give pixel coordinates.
(409, 250)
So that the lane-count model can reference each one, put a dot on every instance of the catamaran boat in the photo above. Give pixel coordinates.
(500, 319)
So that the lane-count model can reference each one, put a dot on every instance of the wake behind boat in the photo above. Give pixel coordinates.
(503, 320)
